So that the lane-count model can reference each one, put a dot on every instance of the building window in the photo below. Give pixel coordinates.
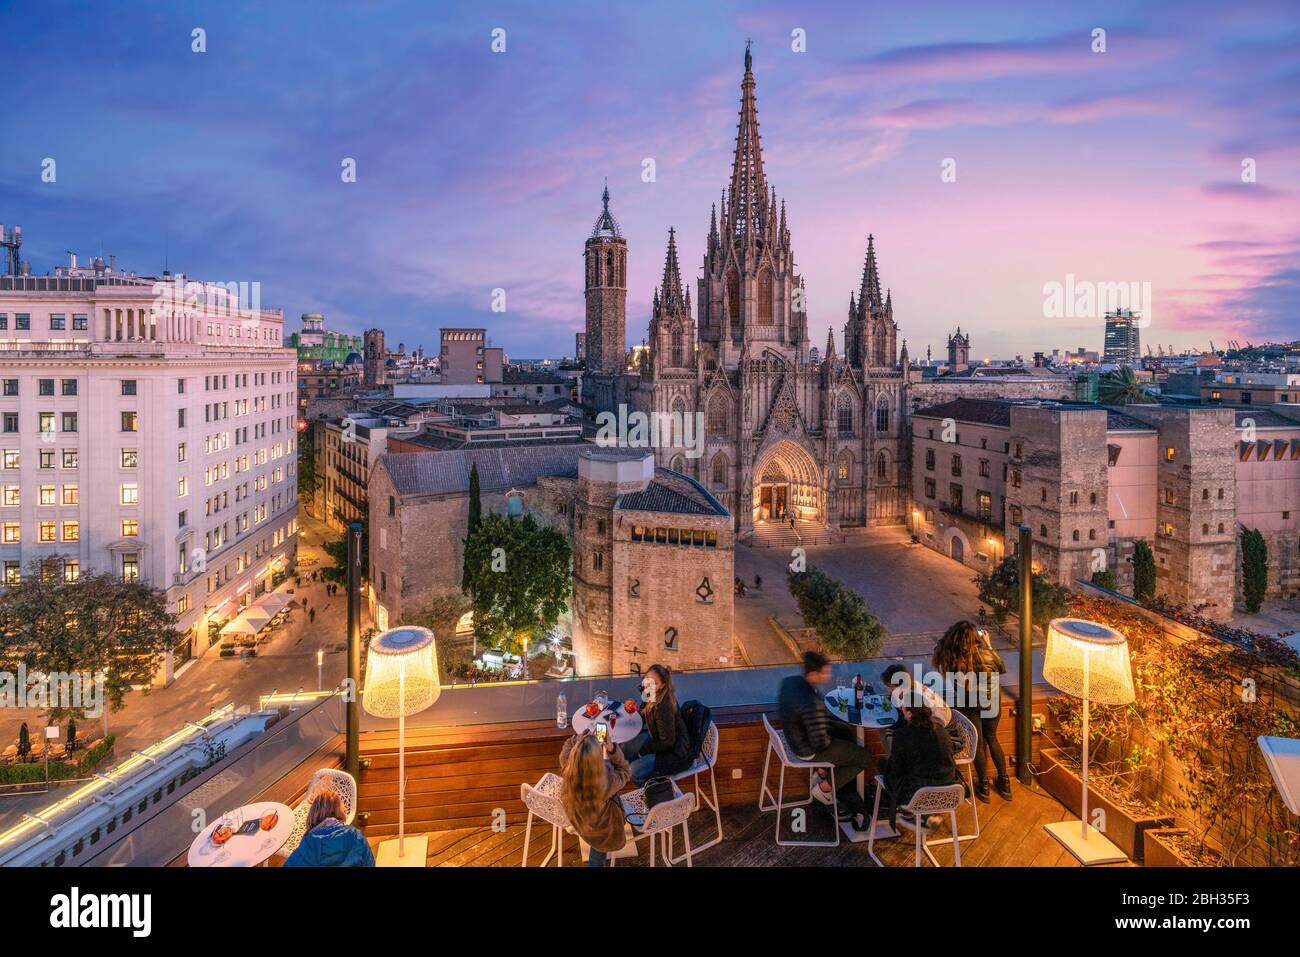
(45, 387)
(1169, 453)
(1042, 494)
(844, 418)
(882, 416)
(929, 459)
(11, 387)
(1166, 528)
(1015, 514)
(12, 533)
(954, 497)
(70, 458)
(597, 560)
(929, 488)
(11, 422)
(12, 458)
(71, 569)
(1075, 535)
(129, 422)
(956, 465)
(984, 468)
(71, 495)
(984, 505)
(69, 422)
(129, 458)
(48, 495)
(1074, 498)
(11, 493)
(392, 505)
(842, 469)
(130, 527)
(13, 573)
(1042, 531)
(128, 387)
(69, 386)
(47, 531)
(130, 567)
(130, 493)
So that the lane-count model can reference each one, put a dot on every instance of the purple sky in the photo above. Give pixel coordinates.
(478, 170)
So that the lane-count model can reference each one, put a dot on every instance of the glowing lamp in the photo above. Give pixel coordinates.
(401, 680)
(1088, 661)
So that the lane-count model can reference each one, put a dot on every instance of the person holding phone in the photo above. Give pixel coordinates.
(664, 747)
(966, 653)
(594, 771)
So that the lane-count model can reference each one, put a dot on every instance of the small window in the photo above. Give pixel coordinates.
(128, 387)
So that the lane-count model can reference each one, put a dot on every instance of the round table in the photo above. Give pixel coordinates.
(627, 727)
(881, 718)
(243, 850)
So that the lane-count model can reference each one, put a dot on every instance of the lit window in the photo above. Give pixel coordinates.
(71, 531)
(49, 495)
(12, 533)
(71, 496)
(47, 531)
(130, 567)
(129, 458)
(12, 495)
(130, 527)
(71, 569)
(129, 422)
(130, 493)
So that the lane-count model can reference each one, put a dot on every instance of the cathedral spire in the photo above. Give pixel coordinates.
(606, 224)
(869, 297)
(672, 283)
(748, 182)
(830, 344)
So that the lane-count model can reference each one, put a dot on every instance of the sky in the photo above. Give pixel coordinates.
(479, 170)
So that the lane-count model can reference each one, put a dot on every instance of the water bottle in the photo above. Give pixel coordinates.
(561, 711)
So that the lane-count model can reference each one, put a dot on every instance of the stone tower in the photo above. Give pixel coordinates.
(605, 261)
(374, 359)
(672, 332)
(958, 352)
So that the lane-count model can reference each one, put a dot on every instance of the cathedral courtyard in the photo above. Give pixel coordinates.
(915, 591)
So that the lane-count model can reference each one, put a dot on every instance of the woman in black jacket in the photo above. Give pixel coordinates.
(972, 670)
(920, 756)
(664, 746)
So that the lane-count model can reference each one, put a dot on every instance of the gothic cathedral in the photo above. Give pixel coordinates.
(823, 442)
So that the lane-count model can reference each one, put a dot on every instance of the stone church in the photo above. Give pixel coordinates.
(824, 442)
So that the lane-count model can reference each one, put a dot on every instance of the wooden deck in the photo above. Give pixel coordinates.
(1012, 835)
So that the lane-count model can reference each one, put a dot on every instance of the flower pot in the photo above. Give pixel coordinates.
(1123, 827)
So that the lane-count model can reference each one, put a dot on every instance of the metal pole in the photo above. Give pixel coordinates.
(1025, 730)
(352, 762)
(1083, 823)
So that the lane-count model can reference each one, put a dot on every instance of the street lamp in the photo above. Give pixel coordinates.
(320, 662)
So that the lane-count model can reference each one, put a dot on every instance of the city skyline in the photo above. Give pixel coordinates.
(244, 183)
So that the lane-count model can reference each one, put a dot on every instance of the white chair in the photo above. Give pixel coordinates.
(776, 743)
(964, 760)
(658, 822)
(544, 799)
(705, 762)
(333, 778)
(925, 802)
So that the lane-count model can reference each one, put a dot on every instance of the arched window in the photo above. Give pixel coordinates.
(622, 271)
(677, 358)
(719, 419)
(844, 417)
(609, 268)
(676, 426)
(844, 469)
(733, 296)
(882, 466)
(678, 464)
(765, 297)
(720, 471)
(882, 415)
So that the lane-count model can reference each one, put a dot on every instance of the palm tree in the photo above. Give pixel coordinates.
(1121, 387)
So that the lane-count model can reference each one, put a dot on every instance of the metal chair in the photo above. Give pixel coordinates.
(965, 760)
(333, 778)
(659, 822)
(544, 799)
(776, 743)
(925, 802)
(705, 762)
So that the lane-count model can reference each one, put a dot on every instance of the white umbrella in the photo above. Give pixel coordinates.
(239, 626)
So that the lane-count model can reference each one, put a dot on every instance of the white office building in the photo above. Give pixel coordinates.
(148, 429)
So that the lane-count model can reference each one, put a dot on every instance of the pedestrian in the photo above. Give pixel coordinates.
(311, 616)
(758, 580)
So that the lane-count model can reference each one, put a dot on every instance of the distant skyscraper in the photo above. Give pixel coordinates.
(1123, 345)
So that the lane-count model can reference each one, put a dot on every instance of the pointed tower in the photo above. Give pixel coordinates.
(605, 258)
(750, 294)
(672, 332)
(958, 352)
(871, 337)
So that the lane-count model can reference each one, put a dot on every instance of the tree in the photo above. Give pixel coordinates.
(1105, 578)
(441, 615)
(96, 624)
(1144, 571)
(1000, 590)
(1121, 387)
(522, 578)
(337, 550)
(307, 481)
(475, 519)
(844, 624)
(1254, 568)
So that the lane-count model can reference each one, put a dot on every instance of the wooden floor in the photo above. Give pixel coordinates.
(1012, 835)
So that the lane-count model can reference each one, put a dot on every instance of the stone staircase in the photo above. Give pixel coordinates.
(781, 535)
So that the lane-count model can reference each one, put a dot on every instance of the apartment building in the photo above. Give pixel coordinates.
(148, 430)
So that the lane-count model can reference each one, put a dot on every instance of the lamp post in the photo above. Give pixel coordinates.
(1025, 716)
(1089, 661)
(352, 760)
(402, 680)
(320, 664)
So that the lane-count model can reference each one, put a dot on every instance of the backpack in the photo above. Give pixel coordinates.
(697, 718)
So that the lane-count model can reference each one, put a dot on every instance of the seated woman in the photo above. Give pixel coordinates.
(664, 746)
(590, 794)
(328, 841)
(921, 756)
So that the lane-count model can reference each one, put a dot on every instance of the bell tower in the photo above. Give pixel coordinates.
(605, 261)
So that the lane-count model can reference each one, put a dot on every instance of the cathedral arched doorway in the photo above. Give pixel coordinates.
(787, 483)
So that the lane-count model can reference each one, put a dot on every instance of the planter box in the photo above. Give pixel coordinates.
(1158, 853)
(1122, 827)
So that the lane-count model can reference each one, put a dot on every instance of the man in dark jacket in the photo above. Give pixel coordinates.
(814, 736)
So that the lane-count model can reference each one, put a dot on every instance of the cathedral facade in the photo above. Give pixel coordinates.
(824, 442)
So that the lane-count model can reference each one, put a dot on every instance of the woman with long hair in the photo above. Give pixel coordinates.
(590, 793)
(664, 746)
(328, 841)
(971, 670)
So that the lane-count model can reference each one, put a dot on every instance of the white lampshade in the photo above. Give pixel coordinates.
(401, 673)
(1069, 642)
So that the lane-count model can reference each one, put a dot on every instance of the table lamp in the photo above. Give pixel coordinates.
(1088, 661)
(401, 680)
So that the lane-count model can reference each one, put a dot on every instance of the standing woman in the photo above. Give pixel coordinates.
(966, 654)
(664, 747)
(590, 794)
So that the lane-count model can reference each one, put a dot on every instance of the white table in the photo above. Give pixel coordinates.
(627, 727)
(243, 850)
(881, 718)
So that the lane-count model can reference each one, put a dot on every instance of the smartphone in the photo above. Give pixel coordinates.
(602, 731)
